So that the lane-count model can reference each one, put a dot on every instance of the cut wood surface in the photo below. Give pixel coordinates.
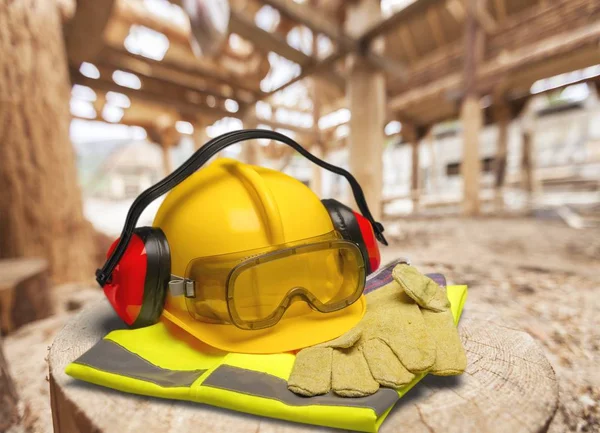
(9, 413)
(509, 385)
(24, 292)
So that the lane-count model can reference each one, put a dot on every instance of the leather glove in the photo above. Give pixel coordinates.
(450, 355)
(388, 347)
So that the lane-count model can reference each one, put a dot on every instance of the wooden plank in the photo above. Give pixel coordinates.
(500, 6)
(435, 24)
(399, 18)
(266, 42)
(486, 20)
(408, 43)
(142, 66)
(456, 9)
(319, 23)
(83, 33)
(183, 106)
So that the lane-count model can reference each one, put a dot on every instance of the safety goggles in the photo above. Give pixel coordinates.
(253, 289)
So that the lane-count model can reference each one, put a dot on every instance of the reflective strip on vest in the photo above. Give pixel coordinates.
(111, 357)
(108, 356)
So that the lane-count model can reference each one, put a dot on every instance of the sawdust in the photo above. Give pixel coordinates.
(541, 275)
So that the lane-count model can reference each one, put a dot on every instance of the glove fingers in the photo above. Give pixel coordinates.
(422, 289)
(350, 375)
(450, 355)
(410, 341)
(311, 374)
(385, 366)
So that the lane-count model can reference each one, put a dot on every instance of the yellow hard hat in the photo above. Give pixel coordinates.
(230, 212)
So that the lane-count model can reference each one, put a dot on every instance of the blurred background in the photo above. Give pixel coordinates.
(473, 127)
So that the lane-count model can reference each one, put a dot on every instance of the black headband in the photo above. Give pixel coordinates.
(197, 160)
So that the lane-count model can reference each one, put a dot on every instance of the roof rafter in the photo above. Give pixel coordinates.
(267, 41)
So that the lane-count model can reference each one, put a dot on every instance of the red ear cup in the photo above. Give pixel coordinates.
(138, 285)
(370, 242)
(355, 228)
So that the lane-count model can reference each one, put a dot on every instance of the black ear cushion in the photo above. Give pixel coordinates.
(158, 274)
(346, 224)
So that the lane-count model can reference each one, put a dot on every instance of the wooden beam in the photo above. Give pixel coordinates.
(401, 17)
(311, 69)
(144, 67)
(318, 23)
(490, 73)
(456, 9)
(266, 42)
(486, 20)
(500, 6)
(435, 24)
(279, 125)
(182, 106)
(83, 33)
(408, 44)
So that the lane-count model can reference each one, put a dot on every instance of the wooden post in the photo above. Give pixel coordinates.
(316, 179)
(471, 114)
(367, 101)
(164, 134)
(249, 152)
(166, 156)
(41, 210)
(200, 136)
(412, 136)
(502, 118)
(435, 178)
(529, 181)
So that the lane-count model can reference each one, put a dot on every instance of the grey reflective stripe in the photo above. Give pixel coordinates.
(108, 356)
(265, 385)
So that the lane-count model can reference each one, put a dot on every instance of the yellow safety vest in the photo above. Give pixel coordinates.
(159, 361)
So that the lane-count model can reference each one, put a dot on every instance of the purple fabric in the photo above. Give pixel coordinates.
(383, 276)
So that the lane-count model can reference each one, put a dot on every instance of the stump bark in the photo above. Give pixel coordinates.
(24, 292)
(508, 386)
(40, 201)
(9, 413)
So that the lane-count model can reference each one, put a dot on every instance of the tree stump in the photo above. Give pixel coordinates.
(24, 296)
(41, 211)
(508, 386)
(9, 413)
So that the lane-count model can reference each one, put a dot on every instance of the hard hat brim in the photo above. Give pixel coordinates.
(294, 333)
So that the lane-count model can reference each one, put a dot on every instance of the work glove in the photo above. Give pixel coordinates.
(450, 356)
(393, 342)
(388, 347)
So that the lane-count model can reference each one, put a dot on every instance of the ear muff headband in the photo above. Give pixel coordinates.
(201, 157)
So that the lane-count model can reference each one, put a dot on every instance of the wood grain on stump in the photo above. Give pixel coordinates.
(9, 413)
(508, 386)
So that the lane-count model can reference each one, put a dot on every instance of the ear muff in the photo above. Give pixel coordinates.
(355, 228)
(139, 283)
